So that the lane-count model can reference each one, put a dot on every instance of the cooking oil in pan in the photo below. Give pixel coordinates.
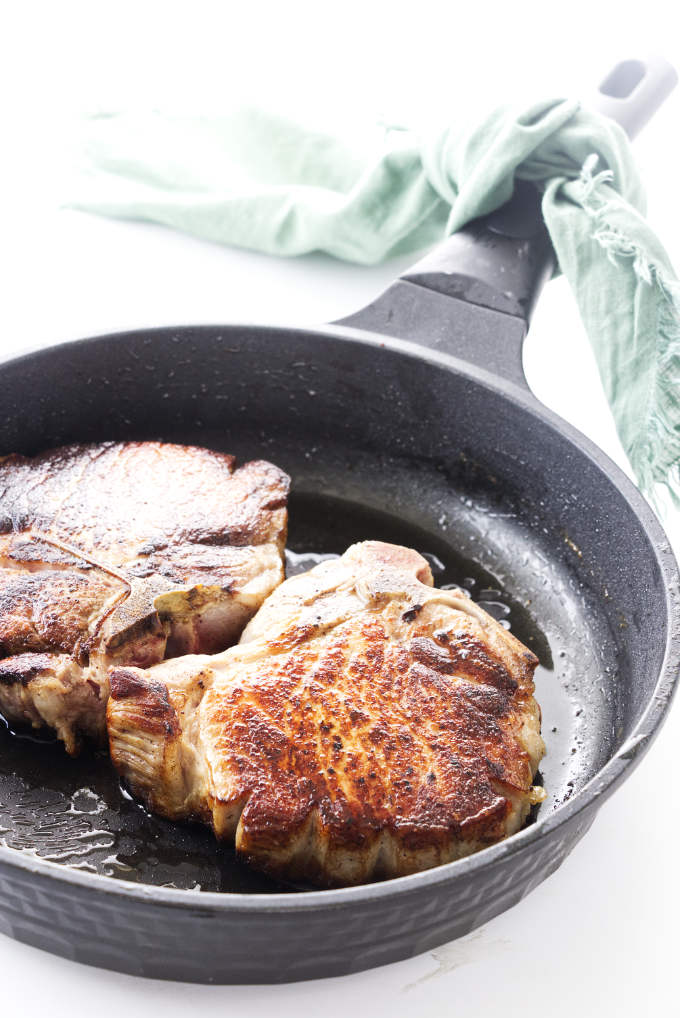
(75, 812)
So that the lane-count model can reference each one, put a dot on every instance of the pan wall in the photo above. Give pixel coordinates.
(365, 422)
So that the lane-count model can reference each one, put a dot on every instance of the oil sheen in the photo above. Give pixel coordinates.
(75, 812)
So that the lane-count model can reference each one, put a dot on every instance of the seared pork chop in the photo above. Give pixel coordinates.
(125, 554)
(367, 725)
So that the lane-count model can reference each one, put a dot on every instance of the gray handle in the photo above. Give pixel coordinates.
(473, 294)
(633, 91)
(503, 260)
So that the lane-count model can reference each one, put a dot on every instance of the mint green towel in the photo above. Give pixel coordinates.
(260, 181)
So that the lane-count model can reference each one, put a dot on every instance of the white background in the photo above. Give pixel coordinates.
(600, 936)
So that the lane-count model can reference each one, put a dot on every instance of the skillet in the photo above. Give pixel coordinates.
(410, 421)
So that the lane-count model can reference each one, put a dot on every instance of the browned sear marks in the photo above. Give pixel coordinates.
(125, 553)
(346, 737)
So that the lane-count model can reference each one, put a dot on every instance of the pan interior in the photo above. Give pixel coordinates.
(380, 445)
(76, 812)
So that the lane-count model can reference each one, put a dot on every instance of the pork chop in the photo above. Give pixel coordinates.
(125, 553)
(366, 726)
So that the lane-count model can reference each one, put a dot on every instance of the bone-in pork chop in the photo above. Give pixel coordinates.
(125, 554)
(367, 725)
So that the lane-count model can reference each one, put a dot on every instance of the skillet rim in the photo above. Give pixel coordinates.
(593, 793)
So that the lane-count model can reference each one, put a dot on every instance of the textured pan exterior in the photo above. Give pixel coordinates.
(230, 945)
(208, 937)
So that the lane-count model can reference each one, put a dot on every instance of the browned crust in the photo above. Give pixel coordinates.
(149, 706)
(368, 738)
(377, 740)
(22, 668)
(149, 496)
(121, 553)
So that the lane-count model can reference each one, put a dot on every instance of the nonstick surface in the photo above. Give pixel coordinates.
(380, 444)
(75, 812)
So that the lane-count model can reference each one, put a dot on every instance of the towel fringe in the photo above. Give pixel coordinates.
(655, 453)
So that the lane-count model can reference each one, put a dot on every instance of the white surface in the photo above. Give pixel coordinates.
(599, 937)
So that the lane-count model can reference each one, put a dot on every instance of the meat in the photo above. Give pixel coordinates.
(125, 553)
(367, 725)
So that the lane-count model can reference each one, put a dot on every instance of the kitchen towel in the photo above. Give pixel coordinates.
(262, 181)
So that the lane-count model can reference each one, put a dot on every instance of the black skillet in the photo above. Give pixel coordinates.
(431, 439)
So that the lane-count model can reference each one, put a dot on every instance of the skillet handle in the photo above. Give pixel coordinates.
(495, 267)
